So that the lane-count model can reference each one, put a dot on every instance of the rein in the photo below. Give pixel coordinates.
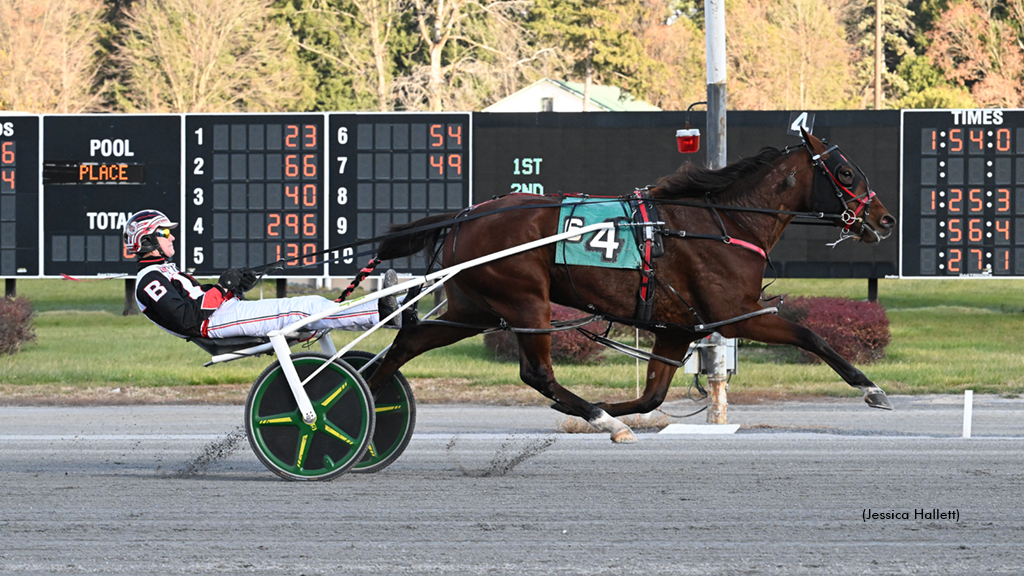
(732, 208)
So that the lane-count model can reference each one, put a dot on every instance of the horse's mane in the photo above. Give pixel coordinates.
(691, 180)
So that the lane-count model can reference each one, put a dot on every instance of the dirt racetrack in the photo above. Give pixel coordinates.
(803, 488)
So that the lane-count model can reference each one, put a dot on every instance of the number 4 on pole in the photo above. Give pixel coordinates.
(798, 120)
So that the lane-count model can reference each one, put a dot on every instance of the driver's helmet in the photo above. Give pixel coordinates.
(140, 231)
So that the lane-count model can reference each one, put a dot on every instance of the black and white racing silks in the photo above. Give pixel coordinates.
(173, 300)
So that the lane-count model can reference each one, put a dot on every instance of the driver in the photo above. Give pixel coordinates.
(177, 303)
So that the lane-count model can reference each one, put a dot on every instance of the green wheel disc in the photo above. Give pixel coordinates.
(395, 409)
(325, 448)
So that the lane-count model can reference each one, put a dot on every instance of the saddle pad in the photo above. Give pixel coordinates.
(611, 248)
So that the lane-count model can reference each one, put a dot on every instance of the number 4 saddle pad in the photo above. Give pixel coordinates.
(607, 248)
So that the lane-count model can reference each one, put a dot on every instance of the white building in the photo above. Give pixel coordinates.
(547, 95)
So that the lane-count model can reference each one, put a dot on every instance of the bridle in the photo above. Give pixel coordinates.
(844, 177)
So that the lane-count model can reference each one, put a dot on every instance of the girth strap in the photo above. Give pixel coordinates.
(645, 215)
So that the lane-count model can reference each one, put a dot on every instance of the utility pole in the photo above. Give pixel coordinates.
(714, 356)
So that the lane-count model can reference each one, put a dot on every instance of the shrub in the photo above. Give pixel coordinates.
(15, 324)
(567, 346)
(857, 330)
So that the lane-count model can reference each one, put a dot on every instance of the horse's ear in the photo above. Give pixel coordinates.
(812, 142)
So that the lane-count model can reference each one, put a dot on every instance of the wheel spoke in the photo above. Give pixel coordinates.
(283, 419)
(388, 408)
(303, 450)
(334, 395)
(334, 431)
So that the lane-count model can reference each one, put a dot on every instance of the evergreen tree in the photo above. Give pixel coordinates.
(927, 88)
(897, 37)
(602, 41)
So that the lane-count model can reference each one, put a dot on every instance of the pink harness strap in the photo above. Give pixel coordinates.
(747, 245)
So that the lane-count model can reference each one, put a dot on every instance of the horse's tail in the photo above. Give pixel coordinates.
(409, 244)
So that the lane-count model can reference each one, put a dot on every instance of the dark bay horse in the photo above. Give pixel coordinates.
(718, 226)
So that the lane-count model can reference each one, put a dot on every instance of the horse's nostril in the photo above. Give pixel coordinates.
(887, 221)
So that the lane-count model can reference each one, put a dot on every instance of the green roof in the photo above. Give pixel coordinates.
(608, 97)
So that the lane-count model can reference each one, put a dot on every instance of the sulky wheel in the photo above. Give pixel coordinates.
(396, 417)
(328, 447)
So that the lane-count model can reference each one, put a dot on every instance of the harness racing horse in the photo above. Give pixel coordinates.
(718, 226)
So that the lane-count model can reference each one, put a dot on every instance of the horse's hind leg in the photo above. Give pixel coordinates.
(535, 369)
(412, 341)
(772, 329)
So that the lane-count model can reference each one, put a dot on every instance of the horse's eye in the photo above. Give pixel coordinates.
(846, 175)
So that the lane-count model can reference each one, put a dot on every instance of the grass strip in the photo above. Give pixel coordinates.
(947, 336)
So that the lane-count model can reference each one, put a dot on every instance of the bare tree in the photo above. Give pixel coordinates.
(678, 44)
(379, 17)
(209, 56)
(975, 50)
(788, 54)
(351, 40)
(50, 55)
(473, 49)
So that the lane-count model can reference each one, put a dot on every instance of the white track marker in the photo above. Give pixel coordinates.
(700, 429)
(968, 410)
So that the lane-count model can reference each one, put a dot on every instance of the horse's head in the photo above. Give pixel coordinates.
(840, 187)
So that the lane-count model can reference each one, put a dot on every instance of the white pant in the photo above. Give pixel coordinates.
(258, 317)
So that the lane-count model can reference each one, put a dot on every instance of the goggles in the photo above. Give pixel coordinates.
(163, 232)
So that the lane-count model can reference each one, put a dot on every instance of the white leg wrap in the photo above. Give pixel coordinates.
(620, 433)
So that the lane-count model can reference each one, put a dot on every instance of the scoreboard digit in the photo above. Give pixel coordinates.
(963, 191)
(254, 192)
(392, 169)
(98, 170)
(19, 196)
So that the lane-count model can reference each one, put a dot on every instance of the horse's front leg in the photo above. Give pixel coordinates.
(659, 376)
(535, 369)
(772, 329)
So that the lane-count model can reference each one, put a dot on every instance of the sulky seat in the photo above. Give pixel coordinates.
(244, 345)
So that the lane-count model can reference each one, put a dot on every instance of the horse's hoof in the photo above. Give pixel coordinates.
(876, 398)
(624, 437)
